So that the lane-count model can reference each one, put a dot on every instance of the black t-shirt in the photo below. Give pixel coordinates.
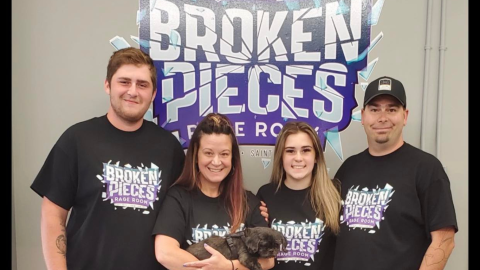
(114, 182)
(190, 217)
(391, 204)
(311, 245)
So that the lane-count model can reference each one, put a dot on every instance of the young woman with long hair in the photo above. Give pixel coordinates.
(303, 202)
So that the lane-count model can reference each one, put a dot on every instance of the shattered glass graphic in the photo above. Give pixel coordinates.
(129, 187)
(363, 209)
(357, 116)
(204, 232)
(119, 43)
(266, 162)
(260, 62)
(303, 239)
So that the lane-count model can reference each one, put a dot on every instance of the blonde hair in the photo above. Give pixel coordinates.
(324, 193)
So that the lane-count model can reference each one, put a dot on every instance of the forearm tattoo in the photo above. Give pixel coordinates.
(62, 242)
(437, 255)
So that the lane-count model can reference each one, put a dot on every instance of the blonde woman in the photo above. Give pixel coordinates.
(303, 202)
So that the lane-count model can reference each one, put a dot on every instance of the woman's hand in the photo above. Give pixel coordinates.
(216, 262)
(264, 210)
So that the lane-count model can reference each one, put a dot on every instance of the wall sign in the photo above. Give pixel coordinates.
(261, 62)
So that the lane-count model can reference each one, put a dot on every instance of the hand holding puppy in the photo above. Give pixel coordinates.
(216, 262)
(247, 246)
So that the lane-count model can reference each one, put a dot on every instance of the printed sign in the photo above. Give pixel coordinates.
(261, 63)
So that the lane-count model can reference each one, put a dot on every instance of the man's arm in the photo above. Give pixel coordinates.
(54, 236)
(439, 250)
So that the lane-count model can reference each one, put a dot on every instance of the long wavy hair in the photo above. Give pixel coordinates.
(231, 188)
(324, 194)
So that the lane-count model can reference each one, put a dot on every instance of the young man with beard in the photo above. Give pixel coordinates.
(397, 207)
(111, 173)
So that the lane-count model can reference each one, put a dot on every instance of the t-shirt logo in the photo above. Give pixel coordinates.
(302, 239)
(201, 233)
(129, 187)
(364, 208)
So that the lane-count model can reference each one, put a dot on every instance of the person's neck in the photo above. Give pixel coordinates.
(378, 150)
(121, 124)
(297, 184)
(210, 190)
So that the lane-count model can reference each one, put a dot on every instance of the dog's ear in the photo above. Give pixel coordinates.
(251, 240)
(283, 243)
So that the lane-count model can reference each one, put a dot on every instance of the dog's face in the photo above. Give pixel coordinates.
(265, 241)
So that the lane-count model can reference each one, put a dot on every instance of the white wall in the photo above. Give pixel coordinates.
(60, 55)
(61, 49)
(454, 127)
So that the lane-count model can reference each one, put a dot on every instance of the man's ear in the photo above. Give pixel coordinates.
(106, 86)
(154, 95)
(406, 117)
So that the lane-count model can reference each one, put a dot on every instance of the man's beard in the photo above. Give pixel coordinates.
(382, 140)
(126, 115)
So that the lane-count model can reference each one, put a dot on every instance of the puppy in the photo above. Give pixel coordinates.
(246, 246)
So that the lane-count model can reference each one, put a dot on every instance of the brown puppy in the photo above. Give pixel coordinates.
(246, 246)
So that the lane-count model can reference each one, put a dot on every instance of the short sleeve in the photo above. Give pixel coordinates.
(437, 202)
(254, 217)
(57, 179)
(260, 194)
(171, 219)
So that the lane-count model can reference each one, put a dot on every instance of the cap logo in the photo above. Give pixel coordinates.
(385, 84)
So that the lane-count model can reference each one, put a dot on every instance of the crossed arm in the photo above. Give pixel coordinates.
(439, 250)
(54, 237)
(170, 255)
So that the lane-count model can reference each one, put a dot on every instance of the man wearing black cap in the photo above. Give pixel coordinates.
(397, 207)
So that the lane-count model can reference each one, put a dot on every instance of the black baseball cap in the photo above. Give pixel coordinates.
(385, 86)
